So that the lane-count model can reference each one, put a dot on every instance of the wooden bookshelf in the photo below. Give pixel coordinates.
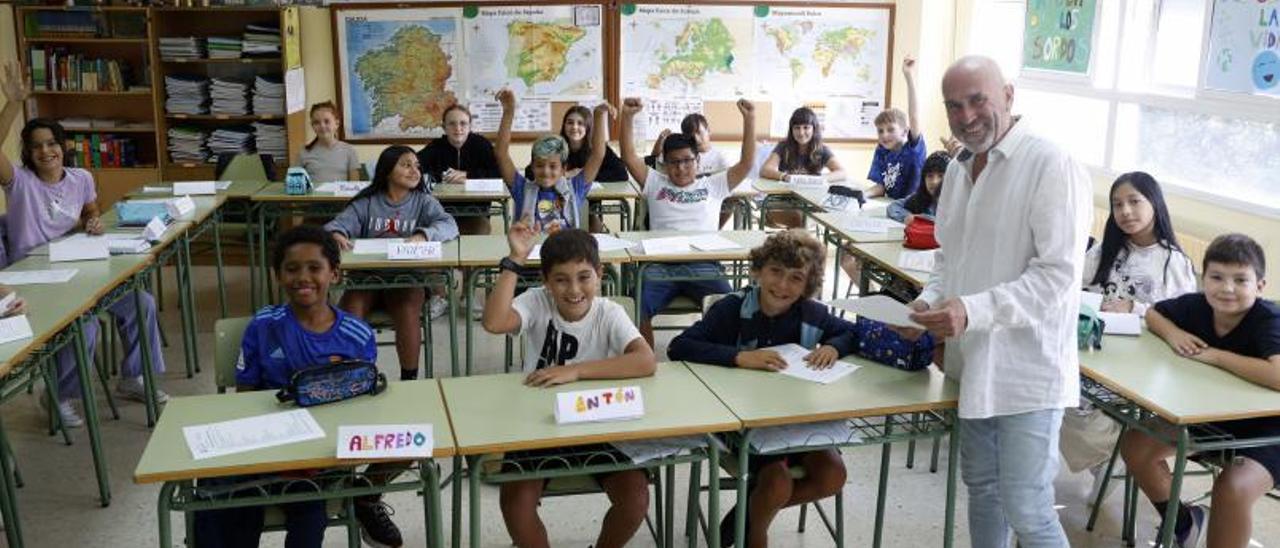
(229, 21)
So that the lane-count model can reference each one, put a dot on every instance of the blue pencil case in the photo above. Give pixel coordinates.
(141, 213)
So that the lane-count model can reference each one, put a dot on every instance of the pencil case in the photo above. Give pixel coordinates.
(876, 342)
(328, 383)
(133, 214)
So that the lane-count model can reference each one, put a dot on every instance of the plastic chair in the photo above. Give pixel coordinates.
(226, 352)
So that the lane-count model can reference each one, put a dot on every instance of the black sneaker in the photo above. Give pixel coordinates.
(376, 527)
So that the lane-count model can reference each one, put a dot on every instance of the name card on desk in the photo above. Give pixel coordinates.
(79, 249)
(342, 188)
(485, 185)
(665, 246)
(414, 251)
(809, 181)
(1118, 323)
(154, 230)
(195, 188)
(375, 441)
(599, 405)
(920, 261)
(873, 225)
(180, 207)
(15, 328)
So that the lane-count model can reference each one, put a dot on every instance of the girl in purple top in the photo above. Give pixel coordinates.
(45, 201)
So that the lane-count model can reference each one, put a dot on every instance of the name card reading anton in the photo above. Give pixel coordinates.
(602, 404)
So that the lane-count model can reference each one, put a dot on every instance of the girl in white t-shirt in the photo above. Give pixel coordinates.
(1137, 264)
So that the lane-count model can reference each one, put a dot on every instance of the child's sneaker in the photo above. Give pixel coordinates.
(66, 410)
(1194, 537)
(134, 389)
(376, 527)
(438, 307)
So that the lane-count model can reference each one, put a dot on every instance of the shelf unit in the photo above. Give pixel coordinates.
(142, 107)
(230, 21)
(123, 33)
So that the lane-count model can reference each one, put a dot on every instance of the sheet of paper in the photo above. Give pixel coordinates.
(776, 438)
(223, 185)
(191, 188)
(487, 186)
(712, 242)
(295, 90)
(79, 249)
(881, 308)
(796, 367)
(373, 246)
(1117, 323)
(34, 277)
(642, 451)
(131, 246)
(665, 246)
(611, 243)
(14, 328)
(920, 261)
(157, 189)
(155, 229)
(180, 207)
(240, 435)
(1093, 300)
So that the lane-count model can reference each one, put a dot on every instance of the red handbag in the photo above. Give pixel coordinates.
(919, 234)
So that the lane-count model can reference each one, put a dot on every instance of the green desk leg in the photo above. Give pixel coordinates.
(740, 519)
(669, 506)
(1175, 490)
(217, 257)
(469, 285)
(882, 493)
(473, 484)
(8, 496)
(835, 276)
(457, 502)
(163, 517)
(430, 477)
(187, 292)
(83, 365)
(713, 492)
(953, 459)
(255, 267)
(148, 372)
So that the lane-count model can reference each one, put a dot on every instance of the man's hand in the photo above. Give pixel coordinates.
(947, 320)
(551, 376)
(763, 359)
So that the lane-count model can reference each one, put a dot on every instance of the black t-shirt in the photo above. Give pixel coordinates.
(474, 157)
(1257, 335)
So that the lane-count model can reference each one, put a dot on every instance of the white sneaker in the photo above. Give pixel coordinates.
(134, 389)
(66, 410)
(1099, 472)
(438, 307)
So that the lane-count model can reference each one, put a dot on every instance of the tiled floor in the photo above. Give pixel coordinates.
(59, 504)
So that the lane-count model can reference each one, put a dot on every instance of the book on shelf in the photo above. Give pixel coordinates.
(69, 24)
(56, 69)
(99, 150)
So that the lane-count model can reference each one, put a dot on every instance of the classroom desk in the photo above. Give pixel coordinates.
(56, 313)
(479, 256)
(883, 405)
(167, 458)
(675, 405)
(376, 272)
(641, 262)
(835, 233)
(613, 199)
(239, 190)
(267, 206)
(880, 265)
(1142, 384)
(460, 202)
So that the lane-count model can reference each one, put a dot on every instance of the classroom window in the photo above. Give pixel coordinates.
(1143, 104)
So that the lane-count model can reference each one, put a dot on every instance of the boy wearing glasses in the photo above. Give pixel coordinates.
(680, 201)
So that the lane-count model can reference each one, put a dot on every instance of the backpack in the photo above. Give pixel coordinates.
(1089, 329)
(919, 234)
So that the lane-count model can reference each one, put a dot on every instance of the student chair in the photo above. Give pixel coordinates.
(226, 352)
(694, 514)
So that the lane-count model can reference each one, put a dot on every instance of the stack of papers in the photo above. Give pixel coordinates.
(609, 243)
(188, 144)
(261, 40)
(880, 308)
(32, 277)
(794, 355)
(186, 94)
(224, 47)
(777, 438)
(182, 47)
(231, 140)
(268, 96)
(229, 96)
(643, 451)
(247, 434)
(270, 139)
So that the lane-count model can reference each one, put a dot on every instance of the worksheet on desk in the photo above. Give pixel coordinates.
(240, 435)
(31, 277)
(794, 355)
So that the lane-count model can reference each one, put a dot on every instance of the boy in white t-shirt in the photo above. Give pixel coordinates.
(569, 335)
(679, 200)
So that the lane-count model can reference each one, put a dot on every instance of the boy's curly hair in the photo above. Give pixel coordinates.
(793, 248)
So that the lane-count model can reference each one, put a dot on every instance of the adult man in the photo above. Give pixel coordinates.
(1012, 221)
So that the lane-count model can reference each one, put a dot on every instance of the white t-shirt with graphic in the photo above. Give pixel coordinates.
(550, 340)
(695, 207)
(1144, 275)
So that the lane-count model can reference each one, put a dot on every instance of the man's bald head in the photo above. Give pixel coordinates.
(978, 102)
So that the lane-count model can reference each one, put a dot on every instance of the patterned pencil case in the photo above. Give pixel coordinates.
(329, 383)
(879, 343)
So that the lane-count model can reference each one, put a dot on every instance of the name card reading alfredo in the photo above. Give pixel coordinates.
(373, 441)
